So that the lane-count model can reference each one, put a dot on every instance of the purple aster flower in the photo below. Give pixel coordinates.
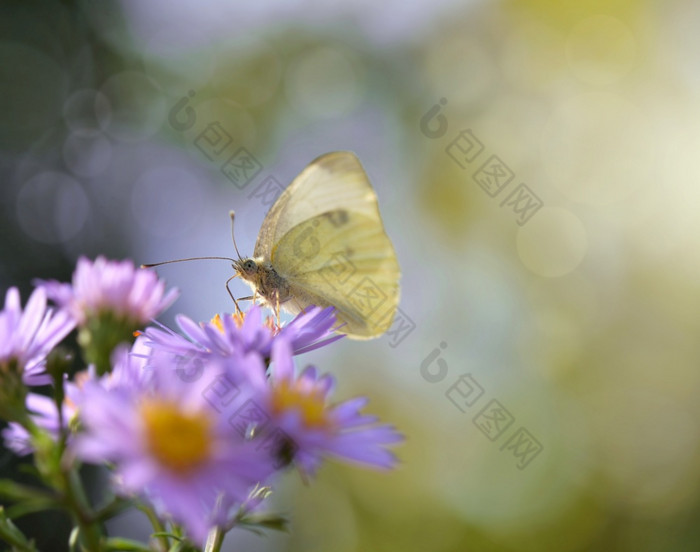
(168, 444)
(114, 287)
(298, 407)
(26, 338)
(44, 414)
(109, 300)
(221, 337)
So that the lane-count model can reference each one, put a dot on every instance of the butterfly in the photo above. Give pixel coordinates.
(323, 243)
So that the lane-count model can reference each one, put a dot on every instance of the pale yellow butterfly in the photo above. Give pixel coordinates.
(323, 243)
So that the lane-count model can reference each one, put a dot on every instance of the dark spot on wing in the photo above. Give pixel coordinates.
(338, 217)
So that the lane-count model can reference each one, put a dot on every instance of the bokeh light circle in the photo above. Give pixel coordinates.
(553, 242)
(325, 82)
(87, 154)
(179, 57)
(461, 68)
(138, 106)
(86, 110)
(251, 75)
(596, 148)
(52, 207)
(221, 127)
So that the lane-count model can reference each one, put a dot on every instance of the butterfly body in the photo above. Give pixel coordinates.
(323, 243)
(264, 280)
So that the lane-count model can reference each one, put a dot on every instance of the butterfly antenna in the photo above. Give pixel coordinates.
(232, 214)
(153, 265)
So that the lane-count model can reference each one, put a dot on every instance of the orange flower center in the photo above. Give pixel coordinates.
(310, 403)
(179, 440)
(216, 322)
(238, 319)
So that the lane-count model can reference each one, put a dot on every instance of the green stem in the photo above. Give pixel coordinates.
(215, 540)
(57, 473)
(158, 527)
(82, 514)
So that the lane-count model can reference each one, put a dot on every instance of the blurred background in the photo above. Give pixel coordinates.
(536, 167)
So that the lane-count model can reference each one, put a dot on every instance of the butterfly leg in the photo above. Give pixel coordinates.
(238, 309)
(248, 298)
(277, 308)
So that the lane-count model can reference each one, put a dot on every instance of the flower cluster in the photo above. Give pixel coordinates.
(196, 425)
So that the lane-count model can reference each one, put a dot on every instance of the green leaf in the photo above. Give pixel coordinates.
(29, 470)
(12, 490)
(264, 521)
(254, 530)
(31, 506)
(166, 534)
(119, 544)
(13, 536)
(114, 508)
(183, 546)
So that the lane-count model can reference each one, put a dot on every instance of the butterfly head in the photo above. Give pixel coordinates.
(247, 268)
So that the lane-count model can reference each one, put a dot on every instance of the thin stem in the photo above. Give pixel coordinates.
(215, 540)
(158, 527)
(80, 509)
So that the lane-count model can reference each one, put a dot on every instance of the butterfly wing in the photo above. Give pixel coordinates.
(325, 237)
(332, 181)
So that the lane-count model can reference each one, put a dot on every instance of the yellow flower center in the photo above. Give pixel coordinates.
(238, 319)
(179, 440)
(216, 322)
(310, 403)
(219, 325)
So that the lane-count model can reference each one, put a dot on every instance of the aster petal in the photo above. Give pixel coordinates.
(31, 318)
(17, 439)
(367, 446)
(58, 292)
(349, 409)
(41, 405)
(255, 373)
(169, 298)
(193, 330)
(252, 320)
(327, 384)
(35, 376)
(310, 373)
(140, 291)
(12, 301)
(282, 358)
(318, 344)
(137, 472)
(184, 504)
(59, 326)
(216, 339)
